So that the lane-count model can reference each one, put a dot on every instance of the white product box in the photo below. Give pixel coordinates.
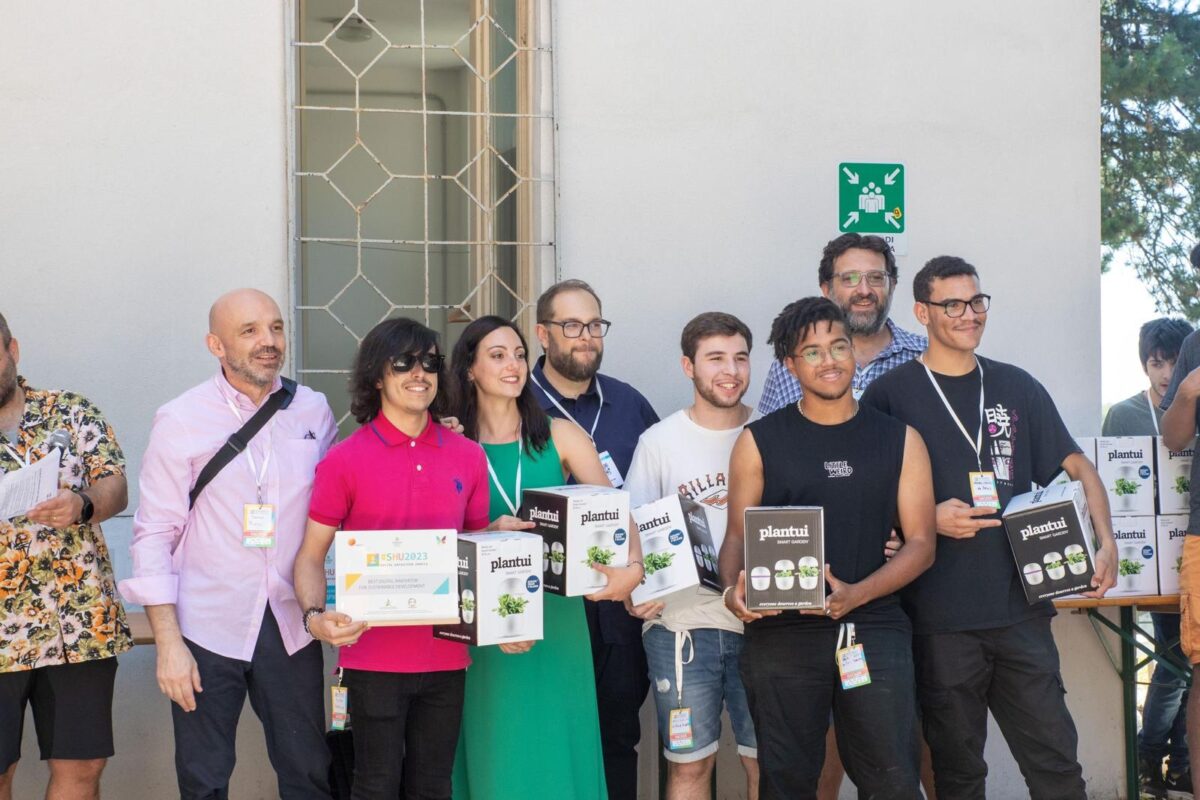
(1172, 533)
(785, 554)
(1051, 535)
(579, 525)
(1137, 563)
(397, 577)
(1126, 466)
(1174, 470)
(677, 549)
(500, 589)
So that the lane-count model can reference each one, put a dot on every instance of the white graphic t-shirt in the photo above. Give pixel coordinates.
(677, 456)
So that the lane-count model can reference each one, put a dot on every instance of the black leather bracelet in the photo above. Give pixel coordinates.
(309, 613)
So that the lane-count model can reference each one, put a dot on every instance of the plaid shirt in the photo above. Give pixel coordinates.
(782, 387)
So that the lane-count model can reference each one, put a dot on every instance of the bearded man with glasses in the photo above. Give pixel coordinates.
(859, 274)
(992, 430)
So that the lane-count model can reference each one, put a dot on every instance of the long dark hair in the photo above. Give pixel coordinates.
(386, 341)
(535, 425)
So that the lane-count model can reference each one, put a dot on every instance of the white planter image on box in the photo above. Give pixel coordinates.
(809, 572)
(1076, 559)
(1125, 488)
(785, 575)
(511, 608)
(1033, 574)
(558, 558)
(600, 550)
(760, 578)
(1056, 568)
(656, 561)
(468, 606)
(1129, 567)
(699, 556)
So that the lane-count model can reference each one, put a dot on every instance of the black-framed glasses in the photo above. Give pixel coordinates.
(956, 308)
(839, 351)
(430, 362)
(573, 329)
(876, 279)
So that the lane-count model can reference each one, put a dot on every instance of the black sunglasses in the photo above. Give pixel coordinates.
(430, 362)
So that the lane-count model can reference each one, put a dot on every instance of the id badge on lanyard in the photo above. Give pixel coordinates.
(606, 459)
(679, 721)
(258, 519)
(984, 493)
(851, 659)
(340, 706)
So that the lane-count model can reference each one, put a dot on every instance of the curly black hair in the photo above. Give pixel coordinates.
(386, 341)
(794, 322)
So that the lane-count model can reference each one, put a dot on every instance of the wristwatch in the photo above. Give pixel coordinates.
(309, 614)
(88, 510)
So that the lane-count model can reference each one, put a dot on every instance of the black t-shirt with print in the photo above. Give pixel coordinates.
(852, 471)
(973, 583)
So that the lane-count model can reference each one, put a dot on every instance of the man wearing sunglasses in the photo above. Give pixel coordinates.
(859, 274)
(992, 431)
(568, 384)
(214, 575)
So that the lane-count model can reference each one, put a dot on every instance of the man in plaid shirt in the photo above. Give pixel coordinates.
(859, 274)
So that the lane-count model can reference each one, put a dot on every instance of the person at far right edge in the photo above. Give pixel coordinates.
(978, 644)
(1178, 430)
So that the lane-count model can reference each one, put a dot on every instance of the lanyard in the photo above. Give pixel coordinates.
(24, 459)
(258, 474)
(976, 443)
(496, 481)
(1153, 414)
(554, 402)
(682, 637)
(846, 630)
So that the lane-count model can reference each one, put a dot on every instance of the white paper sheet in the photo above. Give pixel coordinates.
(28, 486)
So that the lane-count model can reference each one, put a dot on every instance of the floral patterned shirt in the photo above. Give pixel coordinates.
(58, 600)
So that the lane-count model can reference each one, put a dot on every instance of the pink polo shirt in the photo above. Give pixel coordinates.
(380, 478)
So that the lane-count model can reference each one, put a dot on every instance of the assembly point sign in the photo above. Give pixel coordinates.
(871, 200)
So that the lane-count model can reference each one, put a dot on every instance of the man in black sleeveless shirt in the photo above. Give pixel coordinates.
(869, 473)
(992, 430)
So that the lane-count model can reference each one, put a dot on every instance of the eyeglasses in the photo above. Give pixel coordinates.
(430, 362)
(875, 280)
(956, 308)
(597, 328)
(815, 355)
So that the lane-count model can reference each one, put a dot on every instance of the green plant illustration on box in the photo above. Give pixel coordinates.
(1178, 564)
(557, 556)
(1055, 564)
(468, 604)
(809, 572)
(599, 555)
(1124, 486)
(1076, 558)
(1182, 484)
(1127, 567)
(510, 604)
(657, 561)
(785, 573)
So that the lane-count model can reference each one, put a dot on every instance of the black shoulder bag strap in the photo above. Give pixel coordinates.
(240, 439)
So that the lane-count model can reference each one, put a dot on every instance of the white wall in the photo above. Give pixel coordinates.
(698, 148)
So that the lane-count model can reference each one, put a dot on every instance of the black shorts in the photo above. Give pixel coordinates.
(72, 710)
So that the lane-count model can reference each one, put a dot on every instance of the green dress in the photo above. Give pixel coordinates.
(530, 727)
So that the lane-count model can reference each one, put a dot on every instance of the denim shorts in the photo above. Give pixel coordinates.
(710, 680)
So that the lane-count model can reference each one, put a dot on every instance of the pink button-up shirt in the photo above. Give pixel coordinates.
(196, 560)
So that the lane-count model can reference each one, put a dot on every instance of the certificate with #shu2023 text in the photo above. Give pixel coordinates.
(397, 577)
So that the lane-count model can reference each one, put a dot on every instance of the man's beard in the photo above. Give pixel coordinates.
(258, 376)
(8, 382)
(565, 364)
(711, 397)
(866, 323)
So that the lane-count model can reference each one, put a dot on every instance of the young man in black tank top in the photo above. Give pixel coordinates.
(869, 473)
(978, 644)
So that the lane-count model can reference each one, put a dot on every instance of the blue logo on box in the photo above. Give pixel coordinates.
(1147, 552)
(675, 537)
(1144, 471)
(619, 536)
(533, 584)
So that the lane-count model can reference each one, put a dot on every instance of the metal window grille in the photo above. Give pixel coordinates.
(422, 163)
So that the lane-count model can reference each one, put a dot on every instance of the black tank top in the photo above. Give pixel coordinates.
(852, 470)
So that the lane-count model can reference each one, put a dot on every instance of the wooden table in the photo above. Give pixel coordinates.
(1127, 630)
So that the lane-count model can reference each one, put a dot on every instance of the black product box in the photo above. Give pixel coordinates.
(580, 525)
(785, 557)
(1051, 535)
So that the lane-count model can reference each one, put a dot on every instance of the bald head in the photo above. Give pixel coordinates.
(246, 334)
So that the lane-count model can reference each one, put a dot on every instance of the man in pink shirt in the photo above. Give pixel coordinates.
(214, 577)
(400, 470)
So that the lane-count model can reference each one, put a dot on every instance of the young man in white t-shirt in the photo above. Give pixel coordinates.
(688, 453)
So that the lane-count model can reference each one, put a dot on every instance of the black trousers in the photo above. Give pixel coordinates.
(622, 680)
(1014, 672)
(405, 732)
(286, 692)
(792, 683)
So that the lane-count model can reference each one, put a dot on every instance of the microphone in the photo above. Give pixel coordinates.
(60, 439)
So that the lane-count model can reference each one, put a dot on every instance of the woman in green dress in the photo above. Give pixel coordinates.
(530, 727)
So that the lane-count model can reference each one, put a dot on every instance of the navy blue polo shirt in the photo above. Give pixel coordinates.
(623, 417)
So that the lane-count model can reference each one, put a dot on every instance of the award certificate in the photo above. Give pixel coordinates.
(397, 577)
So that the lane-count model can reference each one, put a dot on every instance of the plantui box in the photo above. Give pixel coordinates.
(785, 557)
(1137, 560)
(677, 549)
(1174, 471)
(1051, 535)
(1171, 534)
(579, 525)
(500, 589)
(1126, 466)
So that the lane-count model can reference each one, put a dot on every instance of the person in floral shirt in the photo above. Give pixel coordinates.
(61, 621)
